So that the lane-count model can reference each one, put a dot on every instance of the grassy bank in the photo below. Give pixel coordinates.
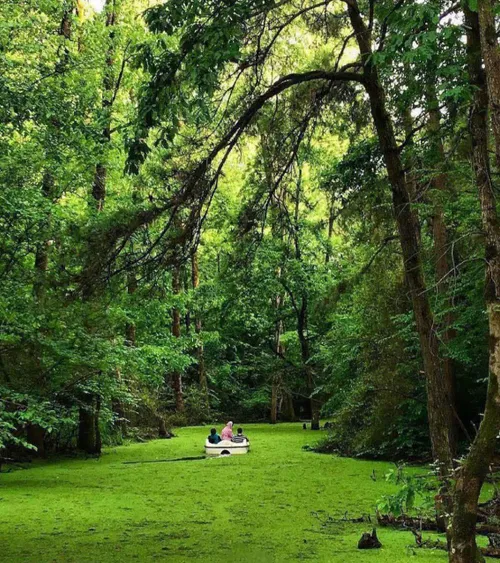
(254, 508)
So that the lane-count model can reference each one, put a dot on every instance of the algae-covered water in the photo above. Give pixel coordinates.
(267, 506)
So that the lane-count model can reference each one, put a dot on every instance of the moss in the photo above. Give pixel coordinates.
(254, 508)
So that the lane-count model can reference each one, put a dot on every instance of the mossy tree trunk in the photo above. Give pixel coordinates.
(472, 473)
(440, 186)
(440, 411)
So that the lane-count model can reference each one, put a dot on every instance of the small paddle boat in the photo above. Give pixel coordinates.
(226, 447)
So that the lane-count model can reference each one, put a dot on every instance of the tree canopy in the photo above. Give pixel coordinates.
(255, 209)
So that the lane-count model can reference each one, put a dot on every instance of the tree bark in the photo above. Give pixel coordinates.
(288, 411)
(42, 251)
(100, 174)
(274, 400)
(331, 220)
(440, 412)
(119, 407)
(302, 318)
(491, 57)
(302, 322)
(130, 328)
(35, 435)
(200, 353)
(440, 187)
(176, 332)
(89, 436)
(471, 475)
(276, 383)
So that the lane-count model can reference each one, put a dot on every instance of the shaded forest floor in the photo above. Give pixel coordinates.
(254, 508)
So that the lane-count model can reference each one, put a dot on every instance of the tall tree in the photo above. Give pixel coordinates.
(440, 411)
(481, 46)
(109, 91)
(89, 437)
(200, 354)
(176, 333)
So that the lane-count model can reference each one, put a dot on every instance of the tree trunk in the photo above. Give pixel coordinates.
(302, 318)
(89, 436)
(35, 435)
(440, 412)
(48, 181)
(331, 220)
(100, 174)
(162, 428)
(491, 57)
(276, 383)
(308, 372)
(42, 251)
(176, 332)
(471, 475)
(130, 329)
(288, 412)
(274, 400)
(200, 354)
(440, 237)
(120, 424)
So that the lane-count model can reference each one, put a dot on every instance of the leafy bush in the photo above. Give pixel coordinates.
(415, 493)
(18, 411)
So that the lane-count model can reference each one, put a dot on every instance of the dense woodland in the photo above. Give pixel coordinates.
(257, 210)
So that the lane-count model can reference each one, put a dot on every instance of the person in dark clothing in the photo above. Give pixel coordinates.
(240, 437)
(214, 438)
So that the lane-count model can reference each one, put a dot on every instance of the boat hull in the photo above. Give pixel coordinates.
(226, 447)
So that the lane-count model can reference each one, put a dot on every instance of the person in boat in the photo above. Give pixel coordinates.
(240, 437)
(227, 431)
(214, 438)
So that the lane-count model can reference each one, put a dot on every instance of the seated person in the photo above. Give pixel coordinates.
(227, 431)
(240, 437)
(214, 438)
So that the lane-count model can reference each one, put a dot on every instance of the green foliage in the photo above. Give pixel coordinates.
(415, 493)
(301, 292)
(18, 410)
(194, 42)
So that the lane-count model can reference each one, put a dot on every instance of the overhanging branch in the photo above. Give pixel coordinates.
(108, 241)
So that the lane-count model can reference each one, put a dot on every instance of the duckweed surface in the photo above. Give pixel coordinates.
(268, 506)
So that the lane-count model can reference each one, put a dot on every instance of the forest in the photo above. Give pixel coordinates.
(277, 212)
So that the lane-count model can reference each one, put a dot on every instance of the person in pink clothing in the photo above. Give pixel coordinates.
(227, 431)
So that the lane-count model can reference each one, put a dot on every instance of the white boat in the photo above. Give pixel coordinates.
(226, 447)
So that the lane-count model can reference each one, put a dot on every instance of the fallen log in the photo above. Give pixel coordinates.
(489, 509)
(487, 529)
(405, 522)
